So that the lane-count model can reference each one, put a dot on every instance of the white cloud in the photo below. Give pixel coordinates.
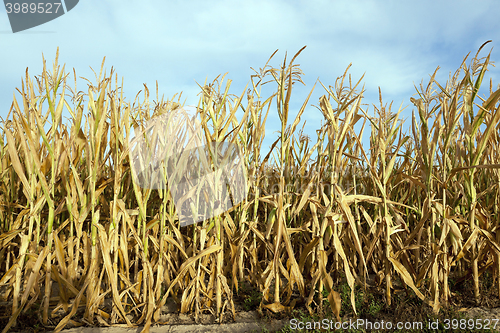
(395, 43)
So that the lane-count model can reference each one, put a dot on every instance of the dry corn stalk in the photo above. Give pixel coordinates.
(411, 210)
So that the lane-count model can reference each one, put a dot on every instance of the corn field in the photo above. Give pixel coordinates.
(410, 211)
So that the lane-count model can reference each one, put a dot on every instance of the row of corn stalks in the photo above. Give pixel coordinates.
(409, 211)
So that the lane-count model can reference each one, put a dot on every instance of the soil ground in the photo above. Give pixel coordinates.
(406, 307)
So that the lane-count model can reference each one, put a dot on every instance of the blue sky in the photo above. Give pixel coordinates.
(395, 43)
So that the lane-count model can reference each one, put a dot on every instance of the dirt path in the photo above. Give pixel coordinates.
(245, 322)
(175, 323)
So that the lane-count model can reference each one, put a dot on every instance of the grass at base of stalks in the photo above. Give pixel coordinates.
(406, 308)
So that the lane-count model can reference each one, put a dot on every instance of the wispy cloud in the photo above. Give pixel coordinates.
(395, 44)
